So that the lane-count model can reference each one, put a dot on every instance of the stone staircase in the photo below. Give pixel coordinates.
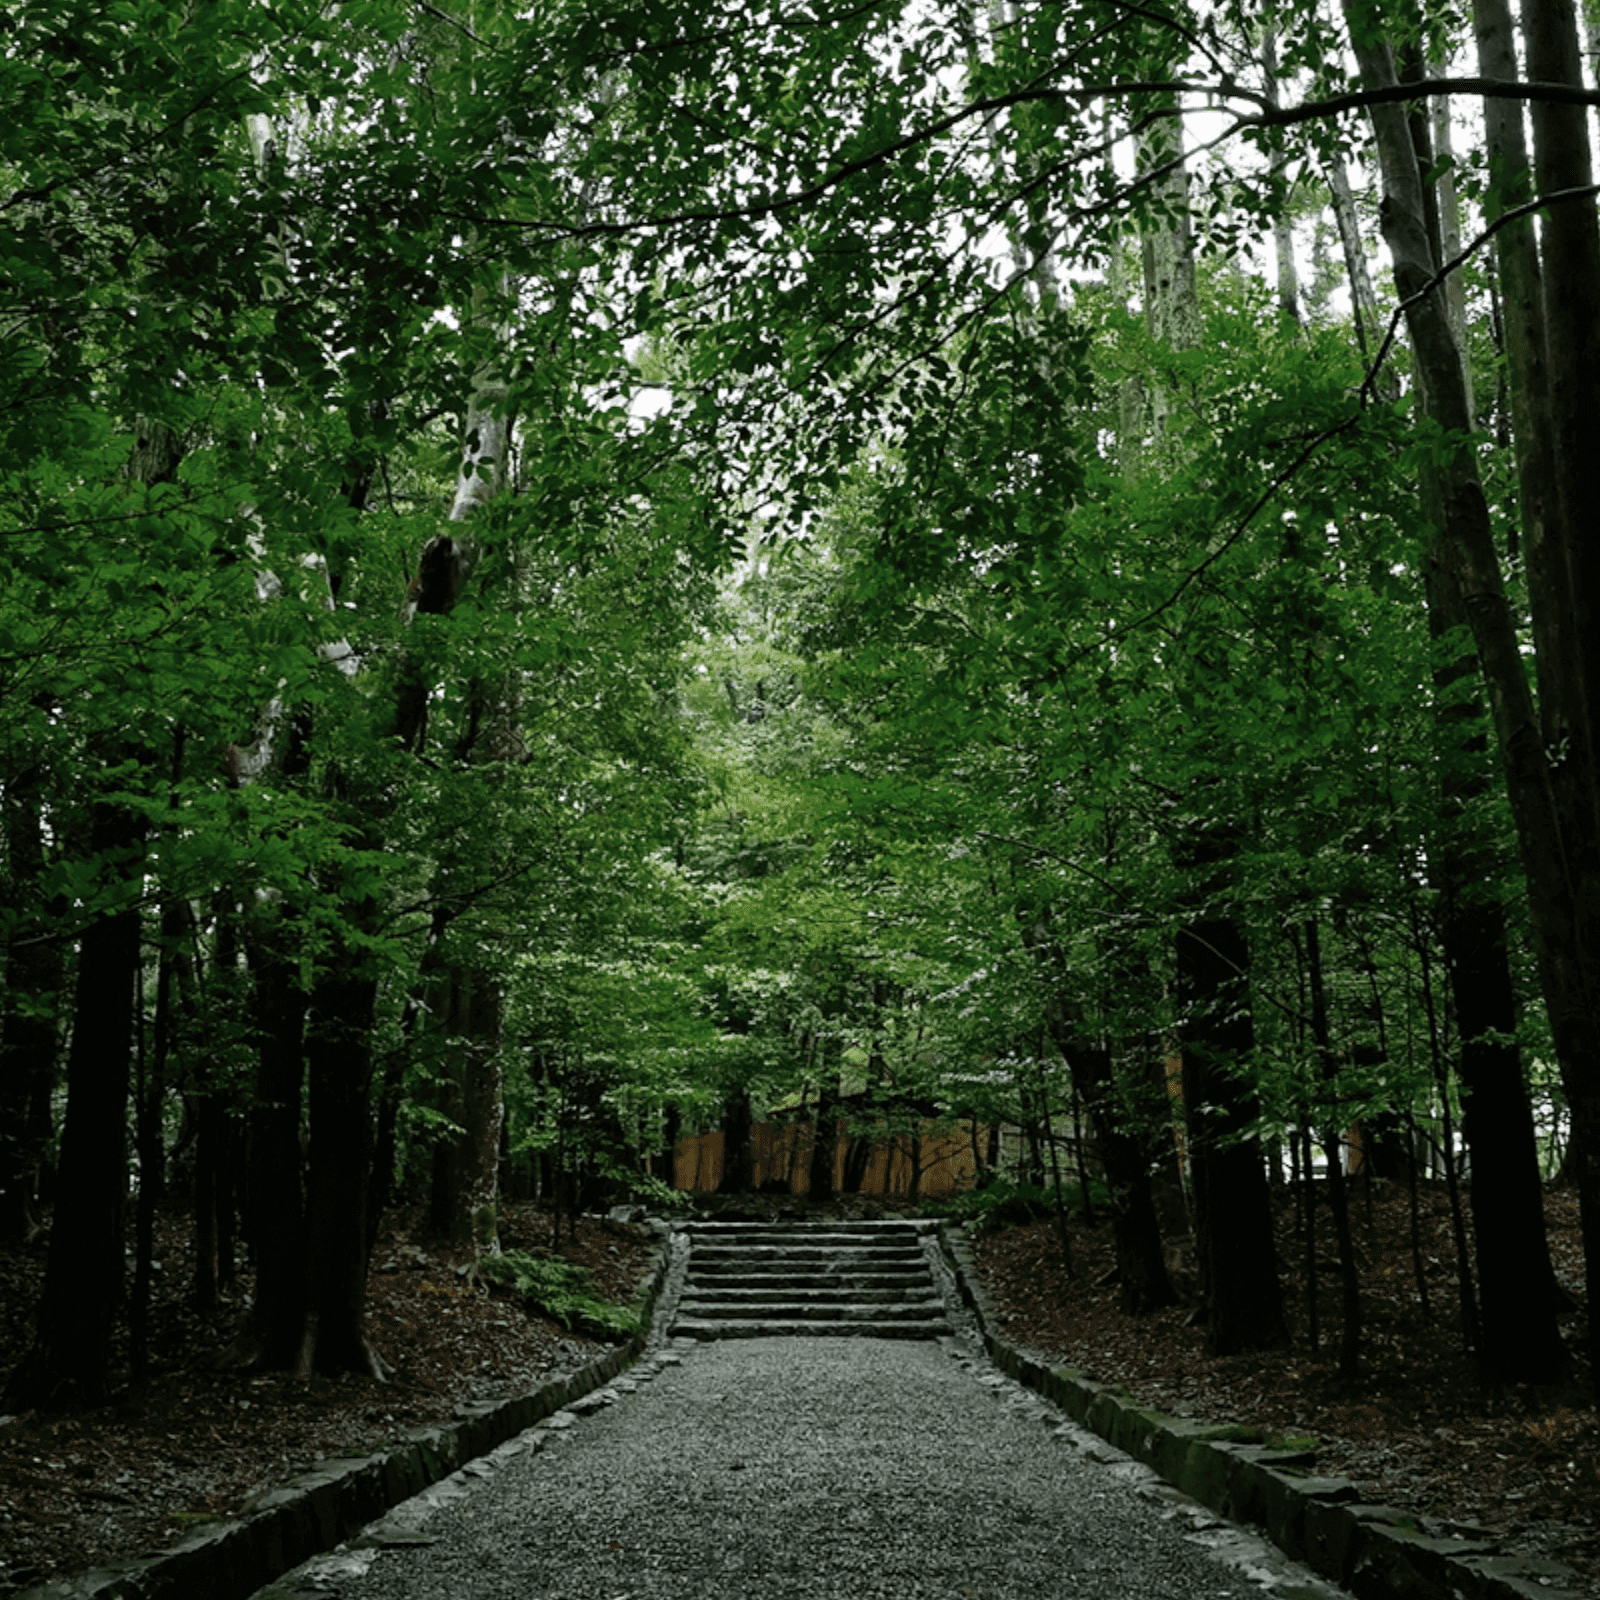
(749, 1280)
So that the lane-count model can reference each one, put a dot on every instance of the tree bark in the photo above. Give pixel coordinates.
(1232, 1203)
(70, 1359)
(466, 1165)
(1282, 227)
(1136, 1233)
(275, 1217)
(469, 1003)
(29, 1006)
(738, 1169)
(1555, 839)
(1333, 1149)
(824, 1139)
(1124, 1157)
(1516, 1282)
(1570, 251)
(339, 1074)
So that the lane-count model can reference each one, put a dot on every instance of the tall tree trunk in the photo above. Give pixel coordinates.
(149, 1102)
(1282, 228)
(1515, 1326)
(470, 1007)
(1521, 1342)
(30, 1003)
(70, 1359)
(1232, 1203)
(466, 1165)
(1124, 1157)
(339, 1075)
(1363, 298)
(1333, 1149)
(825, 1138)
(275, 1216)
(1555, 832)
(1136, 1233)
(1570, 251)
(738, 1163)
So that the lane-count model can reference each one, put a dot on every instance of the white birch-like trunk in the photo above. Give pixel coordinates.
(1282, 228)
(468, 1003)
(1455, 288)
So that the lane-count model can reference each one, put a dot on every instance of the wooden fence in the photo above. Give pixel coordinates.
(781, 1153)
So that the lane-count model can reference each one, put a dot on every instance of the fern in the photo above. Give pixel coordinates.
(563, 1291)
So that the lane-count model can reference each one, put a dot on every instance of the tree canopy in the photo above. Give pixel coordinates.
(578, 573)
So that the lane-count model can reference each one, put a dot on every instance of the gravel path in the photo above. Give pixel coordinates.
(766, 1469)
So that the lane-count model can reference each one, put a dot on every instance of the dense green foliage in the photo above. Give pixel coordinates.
(593, 572)
(563, 1291)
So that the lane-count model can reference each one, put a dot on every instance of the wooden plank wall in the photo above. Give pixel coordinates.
(782, 1152)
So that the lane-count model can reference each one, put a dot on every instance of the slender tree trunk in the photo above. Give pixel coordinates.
(392, 1088)
(1136, 1233)
(1556, 839)
(1333, 1147)
(1080, 1158)
(152, 1078)
(467, 1003)
(1232, 1203)
(738, 1168)
(1521, 1342)
(1471, 1336)
(30, 1003)
(339, 1074)
(1449, 207)
(1570, 248)
(671, 1132)
(84, 1286)
(1308, 1190)
(1521, 280)
(470, 1005)
(1363, 298)
(1282, 229)
(825, 1139)
(276, 1214)
(275, 1219)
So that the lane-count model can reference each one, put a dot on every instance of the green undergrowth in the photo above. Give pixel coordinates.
(1006, 1204)
(563, 1291)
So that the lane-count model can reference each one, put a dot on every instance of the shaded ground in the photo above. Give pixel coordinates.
(138, 1475)
(1419, 1430)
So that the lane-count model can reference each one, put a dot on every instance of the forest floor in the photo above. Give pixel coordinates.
(1419, 1430)
(140, 1474)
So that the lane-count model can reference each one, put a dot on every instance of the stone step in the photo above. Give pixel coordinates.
(732, 1272)
(810, 1261)
(809, 1311)
(749, 1280)
(845, 1255)
(805, 1253)
(761, 1233)
(703, 1328)
(806, 1290)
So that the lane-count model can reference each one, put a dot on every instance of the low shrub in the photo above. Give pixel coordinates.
(1005, 1203)
(561, 1290)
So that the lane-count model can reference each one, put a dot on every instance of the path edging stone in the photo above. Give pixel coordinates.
(333, 1500)
(1376, 1552)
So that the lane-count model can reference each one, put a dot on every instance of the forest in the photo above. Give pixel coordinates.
(578, 574)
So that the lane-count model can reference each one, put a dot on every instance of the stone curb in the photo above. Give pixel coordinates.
(1376, 1552)
(327, 1505)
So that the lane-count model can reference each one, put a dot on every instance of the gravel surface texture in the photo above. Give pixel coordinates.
(764, 1469)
